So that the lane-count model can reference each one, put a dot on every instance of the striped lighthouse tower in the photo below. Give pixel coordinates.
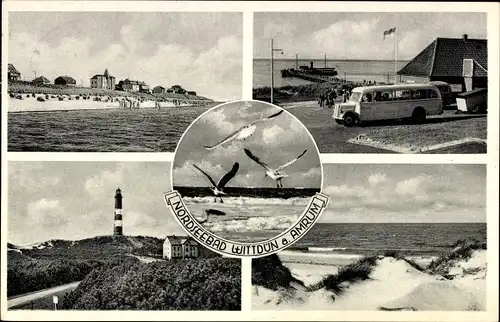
(118, 226)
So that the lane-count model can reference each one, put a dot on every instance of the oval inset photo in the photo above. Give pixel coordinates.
(247, 171)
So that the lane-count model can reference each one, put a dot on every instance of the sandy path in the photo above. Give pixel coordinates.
(39, 294)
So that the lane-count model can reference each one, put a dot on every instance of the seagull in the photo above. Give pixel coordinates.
(275, 174)
(217, 188)
(209, 212)
(243, 132)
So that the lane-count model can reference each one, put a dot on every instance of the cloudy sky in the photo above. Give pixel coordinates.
(200, 51)
(396, 193)
(348, 35)
(275, 142)
(74, 200)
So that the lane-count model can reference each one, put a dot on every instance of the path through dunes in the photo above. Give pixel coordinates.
(21, 299)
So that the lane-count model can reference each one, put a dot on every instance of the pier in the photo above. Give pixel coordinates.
(316, 78)
(312, 74)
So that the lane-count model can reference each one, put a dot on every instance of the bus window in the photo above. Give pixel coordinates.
(419, 94)
(382, 96)
(432, 93)
(403, 94)
(367, 98)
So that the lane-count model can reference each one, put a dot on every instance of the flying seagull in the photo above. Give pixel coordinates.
(209, 212)
(275, 174)
(217, 188)
(243, 132)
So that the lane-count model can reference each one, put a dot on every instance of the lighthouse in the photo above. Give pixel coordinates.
(118, 226)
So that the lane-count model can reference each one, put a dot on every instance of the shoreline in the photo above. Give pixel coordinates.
(31, 104)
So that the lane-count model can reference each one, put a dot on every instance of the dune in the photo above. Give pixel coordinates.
(435, 296)
(380, 283)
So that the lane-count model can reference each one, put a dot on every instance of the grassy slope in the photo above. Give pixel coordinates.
(62, 261)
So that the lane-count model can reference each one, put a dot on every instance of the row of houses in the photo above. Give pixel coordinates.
(14, 75)
(102, 81)
(176, 89)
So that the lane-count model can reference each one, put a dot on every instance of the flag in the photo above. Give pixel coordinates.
(389, 32)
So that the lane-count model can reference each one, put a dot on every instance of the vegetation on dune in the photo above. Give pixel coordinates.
(200, 284)
(97, 247)
(401, 256)
(357, 271)
(462, 251)
(270, 273)
(57, 262)
(30, 275)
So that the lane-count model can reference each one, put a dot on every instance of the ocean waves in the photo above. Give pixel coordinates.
(252, 224)
(242, 201)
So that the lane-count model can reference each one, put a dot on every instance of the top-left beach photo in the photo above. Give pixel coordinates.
(117, 81)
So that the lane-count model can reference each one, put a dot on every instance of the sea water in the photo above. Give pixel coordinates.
(250, 214)
(100, 130)
(423, 239)
(352, 70)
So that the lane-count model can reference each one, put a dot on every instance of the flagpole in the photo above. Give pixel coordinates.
(396, 56)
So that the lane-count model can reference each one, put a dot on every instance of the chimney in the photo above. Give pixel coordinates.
(465, 37)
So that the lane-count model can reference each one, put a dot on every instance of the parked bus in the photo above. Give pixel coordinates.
(389, 102)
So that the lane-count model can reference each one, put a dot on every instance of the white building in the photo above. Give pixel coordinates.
(180, 247)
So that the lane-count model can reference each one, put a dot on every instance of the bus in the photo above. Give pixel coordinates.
(389, 102)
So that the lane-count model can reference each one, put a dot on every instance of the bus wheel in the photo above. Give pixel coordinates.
(340, 122)
(349, 119)
(418, 115)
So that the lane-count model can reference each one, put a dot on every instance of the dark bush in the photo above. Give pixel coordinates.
(270, 273)
(196, 284)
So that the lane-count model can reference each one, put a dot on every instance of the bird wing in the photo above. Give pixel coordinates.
(235, 133)
(228, 176)
(256, 159)
(267, 118)
(281, 167)
(226, 139)
(206, 174)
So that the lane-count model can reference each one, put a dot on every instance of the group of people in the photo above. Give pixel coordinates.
(328, 98)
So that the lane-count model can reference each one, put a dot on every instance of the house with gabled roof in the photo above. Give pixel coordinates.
(65, 80)
(13, 73)
(460, 62)
(40, 80)
(180, 247)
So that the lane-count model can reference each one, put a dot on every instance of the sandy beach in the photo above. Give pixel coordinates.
(30, 104)
(392, 283)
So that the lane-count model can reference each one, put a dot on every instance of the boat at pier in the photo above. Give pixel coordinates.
(310, 73)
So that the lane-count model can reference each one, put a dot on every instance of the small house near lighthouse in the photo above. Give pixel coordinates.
(118, 223)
